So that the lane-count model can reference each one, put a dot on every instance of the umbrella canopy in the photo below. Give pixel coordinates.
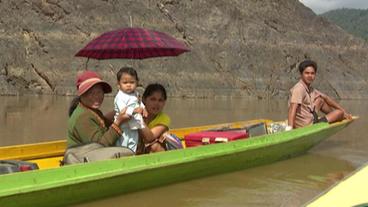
(132, 43)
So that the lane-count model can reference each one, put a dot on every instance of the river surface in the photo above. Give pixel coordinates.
(293, 182)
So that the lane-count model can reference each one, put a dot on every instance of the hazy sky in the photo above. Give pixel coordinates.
(320, 6)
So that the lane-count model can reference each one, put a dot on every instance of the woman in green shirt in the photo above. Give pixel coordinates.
(88, 129)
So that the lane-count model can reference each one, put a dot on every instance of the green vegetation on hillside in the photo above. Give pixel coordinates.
(354, 21)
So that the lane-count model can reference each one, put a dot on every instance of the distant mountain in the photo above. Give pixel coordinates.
(354, 21)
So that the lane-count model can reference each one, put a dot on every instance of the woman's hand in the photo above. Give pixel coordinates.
(138, 110)
(145, 113)
(122, 117)
(142, 111)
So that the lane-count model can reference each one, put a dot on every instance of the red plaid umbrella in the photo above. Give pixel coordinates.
(132, 43)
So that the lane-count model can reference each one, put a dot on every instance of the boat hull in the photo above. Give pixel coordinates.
(86, 182)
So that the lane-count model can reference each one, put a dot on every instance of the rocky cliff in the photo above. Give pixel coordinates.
(238, 48)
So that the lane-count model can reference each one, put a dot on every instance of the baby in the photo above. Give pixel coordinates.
(128, 98)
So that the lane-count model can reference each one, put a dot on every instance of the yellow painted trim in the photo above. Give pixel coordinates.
(46, 163)
(33, 151)
(181, 132)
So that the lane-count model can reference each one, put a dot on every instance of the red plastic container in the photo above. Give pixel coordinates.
(211, 137)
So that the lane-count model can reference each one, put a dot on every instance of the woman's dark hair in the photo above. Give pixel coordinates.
(307, 63)
(152, 88)
(127, 70)
(73, 104)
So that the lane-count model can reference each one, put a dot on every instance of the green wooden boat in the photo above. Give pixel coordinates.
(85, 182)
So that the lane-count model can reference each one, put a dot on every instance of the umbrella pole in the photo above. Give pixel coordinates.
(85, 67)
